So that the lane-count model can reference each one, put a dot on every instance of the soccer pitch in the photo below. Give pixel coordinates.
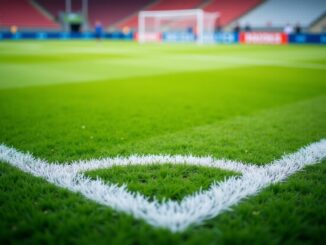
(68, 101)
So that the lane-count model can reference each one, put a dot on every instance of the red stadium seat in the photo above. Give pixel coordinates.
(162, 5)
(230, 10)
(120, 13)
(23, 15)
(108, 12)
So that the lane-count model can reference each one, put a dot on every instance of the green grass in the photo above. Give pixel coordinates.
(64, 101)
(162, 181)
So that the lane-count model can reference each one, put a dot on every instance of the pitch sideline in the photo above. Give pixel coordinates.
(172, 215)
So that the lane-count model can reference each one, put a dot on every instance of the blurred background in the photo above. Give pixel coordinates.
(43, 19)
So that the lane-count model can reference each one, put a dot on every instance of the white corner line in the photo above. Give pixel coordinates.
(172, 215)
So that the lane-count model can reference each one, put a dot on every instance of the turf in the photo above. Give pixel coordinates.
(64, 101)
(162, 181)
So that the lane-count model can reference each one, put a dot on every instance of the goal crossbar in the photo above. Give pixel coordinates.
(150, 23)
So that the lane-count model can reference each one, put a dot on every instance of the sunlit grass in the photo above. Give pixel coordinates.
(64, 101)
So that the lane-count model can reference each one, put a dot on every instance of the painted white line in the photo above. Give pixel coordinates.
(173, 215)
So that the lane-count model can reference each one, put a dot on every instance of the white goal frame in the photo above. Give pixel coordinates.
(198, 14)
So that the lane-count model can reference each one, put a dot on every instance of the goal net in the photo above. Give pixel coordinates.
(194, 25)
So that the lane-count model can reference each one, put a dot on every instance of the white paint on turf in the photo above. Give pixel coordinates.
(173, 215)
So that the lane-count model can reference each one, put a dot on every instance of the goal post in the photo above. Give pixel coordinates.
(176, 25)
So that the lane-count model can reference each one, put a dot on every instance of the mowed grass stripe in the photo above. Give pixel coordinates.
(67, 122)
(260, 137)
(249, 114)
(73, 62)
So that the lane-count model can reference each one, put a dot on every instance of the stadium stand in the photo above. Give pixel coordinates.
(319, 26)
(108, 12)
(132, 22)
(23, 14)
(278, 13)
(174, 5)
(54, 7)
(260, 14)
(230, 10)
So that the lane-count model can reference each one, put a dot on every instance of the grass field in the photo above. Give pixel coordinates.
(71, 100)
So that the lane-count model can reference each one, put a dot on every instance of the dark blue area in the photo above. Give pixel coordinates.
(308, 38)
(63, 35)
(219, 37)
